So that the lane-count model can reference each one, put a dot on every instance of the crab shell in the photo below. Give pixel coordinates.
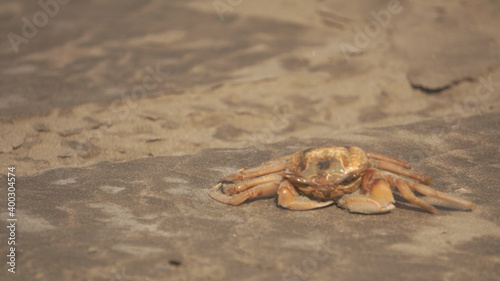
(327, 173)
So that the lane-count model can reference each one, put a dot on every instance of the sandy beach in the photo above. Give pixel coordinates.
(118, 117)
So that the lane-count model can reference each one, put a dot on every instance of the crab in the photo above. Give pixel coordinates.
(358, 181)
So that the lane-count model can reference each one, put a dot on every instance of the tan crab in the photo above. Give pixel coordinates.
(360, 182)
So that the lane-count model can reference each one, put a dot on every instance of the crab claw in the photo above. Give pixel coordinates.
(378, 199)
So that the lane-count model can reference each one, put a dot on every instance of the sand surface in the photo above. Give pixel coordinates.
(119, 116)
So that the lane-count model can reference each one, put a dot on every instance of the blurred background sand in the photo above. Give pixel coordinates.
(114, 81)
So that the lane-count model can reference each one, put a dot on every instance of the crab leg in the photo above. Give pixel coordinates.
(426, 190)
(242, 186)
(262, 190)
(408, 194)
(389, 159)
(384, 165)
(406, 188)
(271, 167)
